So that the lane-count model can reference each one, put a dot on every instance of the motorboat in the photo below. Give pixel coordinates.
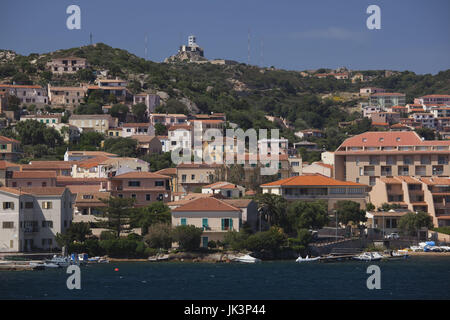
(416, 248)
(368, 256)
(307, 259)
(44, 265)
(59, 261)
(247, 259)
(400, 254)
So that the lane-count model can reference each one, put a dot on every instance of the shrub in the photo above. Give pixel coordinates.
(188, 237)
(212, 244)
(159, 236)
(134, 236)
(124, 248)
(107, 235)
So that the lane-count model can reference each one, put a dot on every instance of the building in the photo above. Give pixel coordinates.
(319, 168)
(425, 119)
(268, 145)
(180, 136)
(144, 187)
(371, 90)
(386, 100)
(385, 222)
(385, 117)
(150, 100)
(296, 165)
(9, 149)
(134, 129)
(6, 171)
(312, 187)
(114, 83)
(83, 155)
(87, 204)
(28, 94)
(167, 119)
(431, 195)
(308, 133)
(432, 99)
(93, 122)
(216, 217)
(365, 157)
(30, 218)
(66, 65)
(224, 188)
(66, 96)
(61, 168)
(172, 173)
(111, 167)
(32, 178)
(368, 111)
(191, 176)
(148, 144)
(43, 118)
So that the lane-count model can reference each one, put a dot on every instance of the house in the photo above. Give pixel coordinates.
(150, 100)
(268, 145)
(387, 99)
(30, 218)
(27, 94)
(370, 90)
(191, 176)
(216, 217)
(61, 168)
(67, 65)
(93, 122)
(83, 155)
(121, 93)
(307, 133)
(6, 170)
(385, 117)
(165, 143)
(167, 119)
(144, 187)
(385, 222)
(87, 203)
(320, 168)
(89, 168)
(134, 129)
(310, 146)
(113, 83)
(443, 99)
(28, 179)
(365, 157)
(111, 167)
(425, 119)
(312, 187)
(226, 189)
(180, 137)
(66, 96)
(9, 149)
(148, 144)
(172, 173)
(296, 165)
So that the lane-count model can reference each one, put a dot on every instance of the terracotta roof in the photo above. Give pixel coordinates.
(18, 86)
(206, 204)
(180, 115)
(8, 140)
(384, 124)
(311, 180)
(34, 174)
(238, 203)
(6, 164)
(15, 191)
(389, 214)
(220, 185)
(80, 180)
(50, 191)
(76, 188)
(93, 162)
(167, 171)
(329, 166)
(436, 181)
(387, 94)
(180, 126)
(140, 175)
(48, 165)
(96, 196)
(391, 180)
(143, 138)
(140, 124)
(376, 138)
(436, 96)
(408, 179)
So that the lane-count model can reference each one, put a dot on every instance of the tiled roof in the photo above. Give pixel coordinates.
(47, 191)
(167, 171)
(379, 138)
(48, 165)
(436, 181)
(140, 175)
(206, 204)
(34, 174)
(311, 180)
(91, 153)
(238, 203)
(6, 164)
(132, 125)
(387, 94)
(8, 140)
(18, 86)
(15, 191)
(93, 162)
(180, 126)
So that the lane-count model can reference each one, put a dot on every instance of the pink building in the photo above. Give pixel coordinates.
(27, 179)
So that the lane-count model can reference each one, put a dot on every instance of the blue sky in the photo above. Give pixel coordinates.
(296, 35)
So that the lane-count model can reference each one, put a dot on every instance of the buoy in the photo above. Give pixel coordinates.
(116, 269)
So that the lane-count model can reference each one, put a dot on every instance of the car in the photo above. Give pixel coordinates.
(392, 236)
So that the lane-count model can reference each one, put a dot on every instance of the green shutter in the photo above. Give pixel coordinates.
(205, 223)
(231, 224)
(183, 221)
(223, 224)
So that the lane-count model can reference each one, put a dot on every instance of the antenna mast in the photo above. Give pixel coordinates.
(248, 48)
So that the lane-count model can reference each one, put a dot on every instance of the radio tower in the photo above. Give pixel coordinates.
(261, 62)
(90, 38)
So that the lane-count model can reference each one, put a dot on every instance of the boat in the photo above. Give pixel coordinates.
(247, 259)
(400, 254)
(97, 260)
(307, 259)
(416, 248)
(59, 261)
(43, 265)
(368, 256)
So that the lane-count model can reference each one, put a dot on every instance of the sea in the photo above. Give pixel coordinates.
(418, 277)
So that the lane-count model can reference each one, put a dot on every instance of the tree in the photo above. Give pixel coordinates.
(118, 212)
(90, 108)
(426, 133)
(13, 103)
(32, 132)
(140, 112)
(236, 173)
(158, 161)
(412, 222)
(160, 129)
(78, 231)
(90, 139)
(157, 212)
(307, 215)
(159, 236)
(188, 237)
(271, 240)
(119, 111)
(124, 147)
(272, 208)
(350, 211)
(85, 75)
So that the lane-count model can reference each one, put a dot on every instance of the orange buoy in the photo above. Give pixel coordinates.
(116, 269)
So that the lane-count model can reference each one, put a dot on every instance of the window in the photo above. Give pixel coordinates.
(183, 178)
(8, 225)
(134, 183)
(8, 205)
(29, 205)
(147, 197)
(193, 177)
(227, 224)
(133, 196)
(47, 224)
(44, 184)
(159, 183)
(183, 221)
(47, 205)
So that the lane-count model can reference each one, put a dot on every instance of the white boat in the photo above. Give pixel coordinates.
(44, 265)
(58, 260)
(416, 248)
(400, 254)
(307, 259)
(368, 256)
(247, 259)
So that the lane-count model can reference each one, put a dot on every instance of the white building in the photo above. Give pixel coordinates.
(273, 145)
(180, 136)
(30, 218)
(226, 189)
(27, 94)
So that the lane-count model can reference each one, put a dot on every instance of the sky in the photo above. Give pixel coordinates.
(286, 34)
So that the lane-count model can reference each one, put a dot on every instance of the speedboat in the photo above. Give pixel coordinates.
(416, 248)
(247, 259)
(368, 256)
(400, 254)
(307, 259)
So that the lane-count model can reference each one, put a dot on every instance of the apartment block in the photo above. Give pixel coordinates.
(386, 100)
(66, 65)
(371, 155)
(9, 149)
(66, 96)
(30, 218)
(93, 122)
(28, 94)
